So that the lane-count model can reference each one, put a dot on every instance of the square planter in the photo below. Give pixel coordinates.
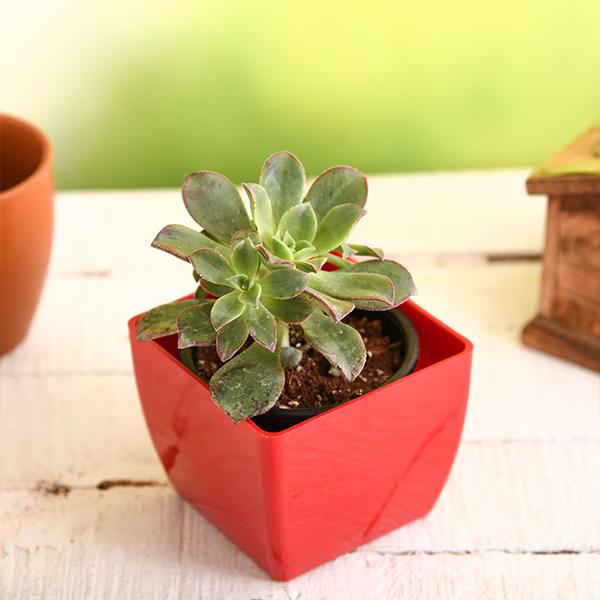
(300, 497)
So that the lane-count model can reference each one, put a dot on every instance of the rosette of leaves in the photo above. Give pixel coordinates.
(262, 269)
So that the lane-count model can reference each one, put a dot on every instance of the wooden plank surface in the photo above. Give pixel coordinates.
(146, 543)
(86, 511)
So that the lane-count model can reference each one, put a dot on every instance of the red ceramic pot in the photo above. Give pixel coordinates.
(296, 498)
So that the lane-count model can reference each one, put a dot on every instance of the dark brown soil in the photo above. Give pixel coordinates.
(310, 384)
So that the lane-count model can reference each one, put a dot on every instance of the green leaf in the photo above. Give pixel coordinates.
(201, 294)
(261, 210)
(303, 245)
(356, 287)
(360, 250)
(231, 337)
(244, 258)
(305, 253)
(194, 326)
(288, 240)
(294, 310)
(312, 265)
(281, 250)
(336, 308)
(212, 266)
(214, 202)
(336, 226)
(404, 286)
(300, 222)
(283, 283)
(238, 281)
(252, 295)
(272, 259)
(226, 309)
(262, 326)
(335, 186)
(242, 234)
(283, 177)
(181, 241)
(249, 384)
(214, 289)
(161, 320)
(339, 343)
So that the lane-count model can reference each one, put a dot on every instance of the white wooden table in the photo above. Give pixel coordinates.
(86, 510)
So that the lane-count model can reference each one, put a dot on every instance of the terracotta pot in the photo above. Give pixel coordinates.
(26, 221)
(296, 498)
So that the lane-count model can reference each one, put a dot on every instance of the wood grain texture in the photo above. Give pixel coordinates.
(496, 491)
(122, 555)
(554, 337)
(85, 508)
(568, 325)
(576, 298)
(551, 250)
(420, 215)
(130, 542)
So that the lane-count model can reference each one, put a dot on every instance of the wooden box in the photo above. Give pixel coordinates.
(568, 323)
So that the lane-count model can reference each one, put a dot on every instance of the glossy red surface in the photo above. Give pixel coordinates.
(297, 498)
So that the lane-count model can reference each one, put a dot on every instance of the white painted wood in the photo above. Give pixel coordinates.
(45, 418)
(412, 214)
(494, 498)
(487, 302)
(81, 324)
(77, 430)
(519, 517)
(516, 496)
(145, 542)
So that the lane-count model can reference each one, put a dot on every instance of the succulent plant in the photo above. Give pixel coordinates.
(260, 271)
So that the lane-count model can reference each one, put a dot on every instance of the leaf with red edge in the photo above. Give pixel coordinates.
(336, 226)
(226, 309)
(181, 241)
(249, 384)
(194, 326)
(262, 326)
(212, 266)
(402, 281)
(161, 320)
(293, 310)
(283, 177)
(339, 343)
(354, 286)
(214, 202)
(337, 309)
(335, 186)
(231, 337)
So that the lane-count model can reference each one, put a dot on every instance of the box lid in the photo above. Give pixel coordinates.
(573, 171)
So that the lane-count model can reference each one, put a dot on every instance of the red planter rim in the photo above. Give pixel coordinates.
(466, 347)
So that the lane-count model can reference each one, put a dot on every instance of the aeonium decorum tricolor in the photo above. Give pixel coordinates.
(260, 271)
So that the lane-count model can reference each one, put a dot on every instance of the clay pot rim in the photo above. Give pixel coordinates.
(44, 160)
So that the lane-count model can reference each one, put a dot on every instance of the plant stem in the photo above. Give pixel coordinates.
(284, 333)
(290, 356)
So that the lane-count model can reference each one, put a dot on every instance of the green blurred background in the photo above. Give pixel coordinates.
(135, 94)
